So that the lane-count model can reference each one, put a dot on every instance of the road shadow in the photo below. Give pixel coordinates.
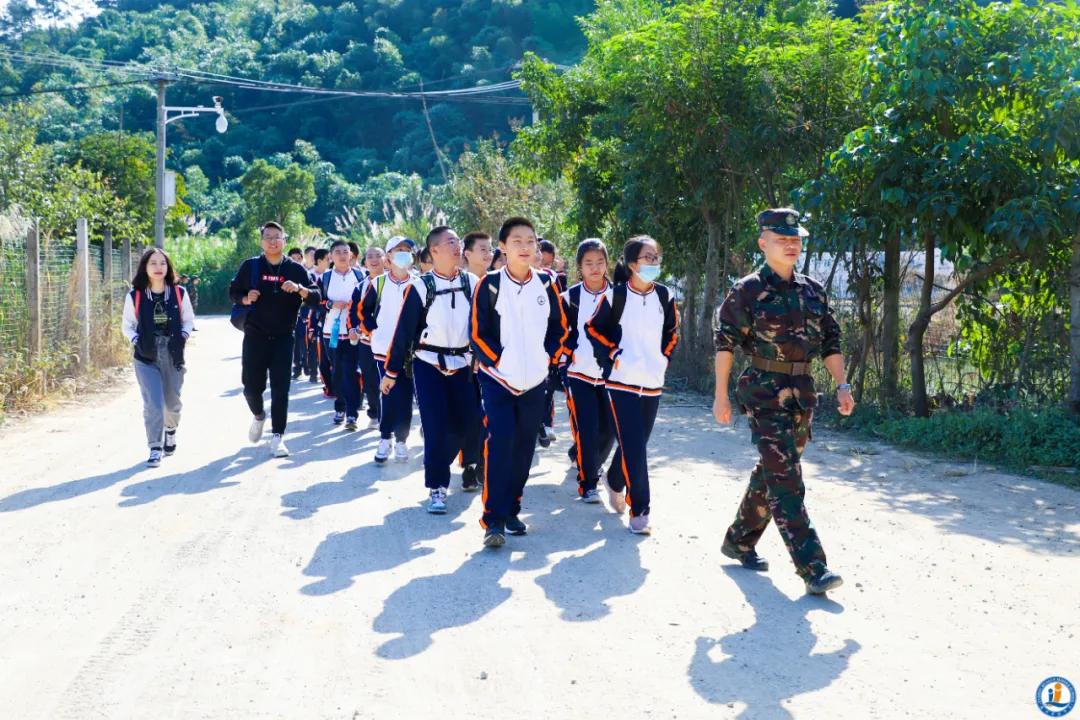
(423, 607)
(581, 585)
(771, 661)
(959, 498)
(69, 490)
(206, 479)
(342, 557)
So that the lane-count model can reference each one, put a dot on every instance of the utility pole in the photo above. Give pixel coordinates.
(163, 120)
(159, 213)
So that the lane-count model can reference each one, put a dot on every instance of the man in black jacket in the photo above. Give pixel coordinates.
(274, 289)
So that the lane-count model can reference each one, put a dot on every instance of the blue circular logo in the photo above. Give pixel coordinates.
(1056, 697)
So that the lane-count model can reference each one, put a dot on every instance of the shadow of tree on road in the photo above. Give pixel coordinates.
(963, 498)
(772, 660)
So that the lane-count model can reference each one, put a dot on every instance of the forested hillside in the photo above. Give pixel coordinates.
(354, 45)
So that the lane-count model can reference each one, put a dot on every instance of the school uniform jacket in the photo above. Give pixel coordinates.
(518, 329)
(445, 324)
(378, 316)
(581, 304)
(339, 288)
(634, 352)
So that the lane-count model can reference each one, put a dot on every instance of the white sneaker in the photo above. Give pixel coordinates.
(640, 525)
(401, 452)
(155, 458)
(617, 501)
(382, 453)
(277, 446)
(373, 423)
(437, 502)
(550, 432)
(256, 430)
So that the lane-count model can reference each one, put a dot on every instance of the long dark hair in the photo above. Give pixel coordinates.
(631, 252)
(587, 246)
(141, 281)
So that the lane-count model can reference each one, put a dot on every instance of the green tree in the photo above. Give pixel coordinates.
(278, 194)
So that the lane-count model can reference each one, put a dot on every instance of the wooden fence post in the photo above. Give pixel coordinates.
(33, 288)
(82, 289)
(107, 271)
(125, 261)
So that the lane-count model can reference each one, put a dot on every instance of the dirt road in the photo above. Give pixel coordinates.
(225, 584)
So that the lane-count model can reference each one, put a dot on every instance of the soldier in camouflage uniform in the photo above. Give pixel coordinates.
(782, 322)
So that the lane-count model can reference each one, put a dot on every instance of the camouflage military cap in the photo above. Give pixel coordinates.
(782, 221)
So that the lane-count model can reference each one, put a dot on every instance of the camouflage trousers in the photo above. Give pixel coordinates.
(776, 490)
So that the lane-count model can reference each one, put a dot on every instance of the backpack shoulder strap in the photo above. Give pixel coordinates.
(429, 286)
(545, 279)
(466, 286)
(664, 294)
(136, 299)
(618, 302)
(358, 275)
(255, 272)
(179, 299)
(379, 283)
(575, 295)
(326, 280)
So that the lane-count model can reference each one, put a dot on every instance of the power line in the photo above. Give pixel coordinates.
(69, 62)
(71, 88)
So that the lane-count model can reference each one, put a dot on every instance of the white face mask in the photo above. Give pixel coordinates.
(648, 273)
(402, 259)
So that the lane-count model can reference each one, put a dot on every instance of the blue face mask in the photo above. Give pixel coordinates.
(402, 259)
(648, 273)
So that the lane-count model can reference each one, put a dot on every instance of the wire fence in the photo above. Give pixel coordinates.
(28, 368)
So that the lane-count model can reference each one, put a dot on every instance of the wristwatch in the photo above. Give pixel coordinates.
(843, 386)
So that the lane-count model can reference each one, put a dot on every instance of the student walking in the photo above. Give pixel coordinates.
(782, 321)
(376, 314)
(157, 320)
(518, 328)
(318, 363)
(273, 287)
(374, 264)
(434, 325)
(340, 286)
(633, 336)
(586, 395)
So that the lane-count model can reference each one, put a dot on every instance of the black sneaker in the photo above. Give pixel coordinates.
(470, 478)
(515, 526)
(350, 424)
(494, 537)
(313, 379)
(296, 374)
(339, 417)
(823, 582)
(170, 442)
(749, 559)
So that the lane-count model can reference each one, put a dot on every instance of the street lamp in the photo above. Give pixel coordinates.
(166, 115)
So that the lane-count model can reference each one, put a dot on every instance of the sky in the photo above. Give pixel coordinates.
(79, 9)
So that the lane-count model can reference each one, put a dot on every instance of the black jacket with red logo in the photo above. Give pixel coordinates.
(274, 313)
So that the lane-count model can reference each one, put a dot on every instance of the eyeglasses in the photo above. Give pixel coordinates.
(650, 259)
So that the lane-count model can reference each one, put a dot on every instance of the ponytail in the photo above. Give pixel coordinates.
(631, 252)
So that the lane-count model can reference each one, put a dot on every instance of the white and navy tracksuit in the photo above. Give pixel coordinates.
(517, 332)
(586, 394)
(437, 336)
(157, 326)
(378, 311)
(342, 287)
(633, 347)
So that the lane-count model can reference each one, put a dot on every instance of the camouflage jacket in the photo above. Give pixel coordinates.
(777, 320)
